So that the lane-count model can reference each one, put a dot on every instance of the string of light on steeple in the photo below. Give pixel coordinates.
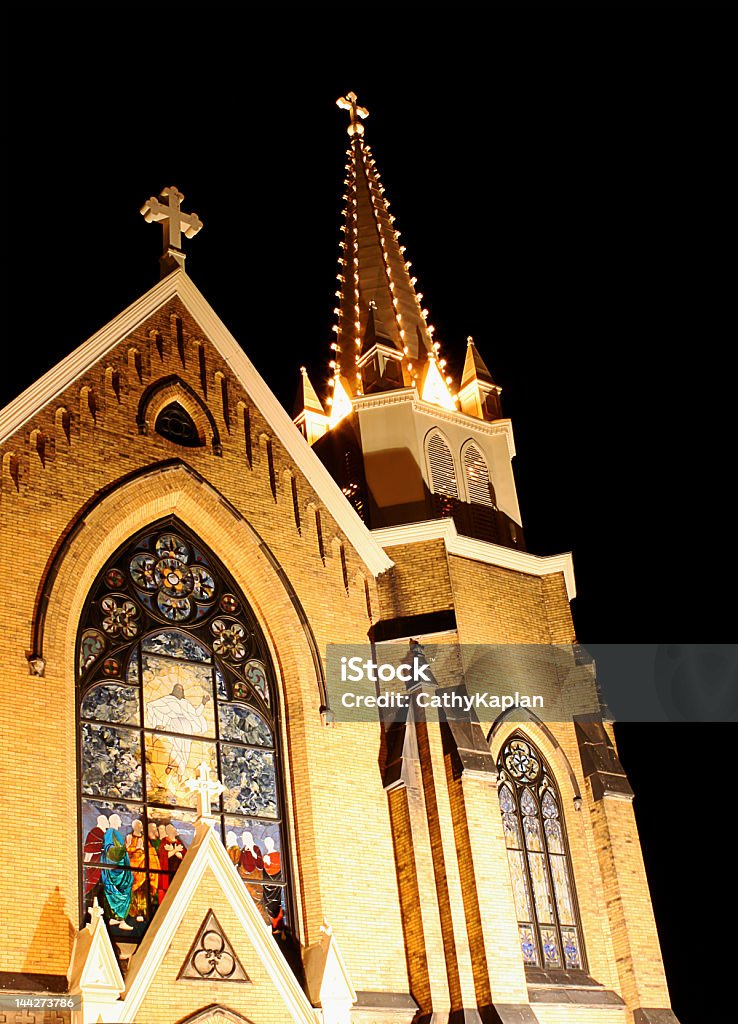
(339, 401)
(405, 304)
(381, 205)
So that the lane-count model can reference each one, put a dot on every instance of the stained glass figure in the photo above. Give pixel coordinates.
(191, 682)
(540, 871)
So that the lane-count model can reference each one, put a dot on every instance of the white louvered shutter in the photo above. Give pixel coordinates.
(478, 484)
(441, 462)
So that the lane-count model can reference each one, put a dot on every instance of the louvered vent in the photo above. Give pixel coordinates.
(440, 460)
(478, 483)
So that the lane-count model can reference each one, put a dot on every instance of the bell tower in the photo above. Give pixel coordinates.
(406, 442)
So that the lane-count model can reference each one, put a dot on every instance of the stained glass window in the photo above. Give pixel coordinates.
(545, 902)
(173, 671)
(176, 424)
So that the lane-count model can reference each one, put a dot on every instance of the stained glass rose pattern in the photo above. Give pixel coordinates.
(520, 761)
(181, 587)
(119, 616)
(230, 639)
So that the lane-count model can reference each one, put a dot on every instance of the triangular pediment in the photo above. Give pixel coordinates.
(328, 980)
(94, 969)
(207, 917)
(46, 392)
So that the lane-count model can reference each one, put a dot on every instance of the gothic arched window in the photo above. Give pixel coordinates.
(537, 852)
(479, 487)
(442, 473)
(173, 672)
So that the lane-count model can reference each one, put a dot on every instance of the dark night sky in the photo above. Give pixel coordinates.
(564, 184)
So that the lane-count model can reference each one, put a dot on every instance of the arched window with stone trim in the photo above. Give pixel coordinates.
(442, 477)
(172, 672)
(538, 856)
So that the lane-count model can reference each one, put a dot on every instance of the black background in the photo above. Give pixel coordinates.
(564, 183)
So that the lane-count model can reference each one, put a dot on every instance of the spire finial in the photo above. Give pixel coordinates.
(356, 113)
(95, 912)
(175, 224)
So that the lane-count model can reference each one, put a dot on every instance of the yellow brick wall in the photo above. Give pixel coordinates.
(81, 483)
(420, 581)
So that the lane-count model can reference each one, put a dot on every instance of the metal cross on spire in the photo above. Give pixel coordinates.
(175, 224)
(206, 788)
(356, 113)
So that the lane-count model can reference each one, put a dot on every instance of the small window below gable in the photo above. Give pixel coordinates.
(170, 408)
(175, 424)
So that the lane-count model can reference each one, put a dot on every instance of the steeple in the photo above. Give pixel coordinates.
(479, 395)
(402, 444)
(309, 414)
(373, 270)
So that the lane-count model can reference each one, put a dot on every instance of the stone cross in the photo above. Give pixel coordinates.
(356, 113)
(174, 222)
(95, 912)
(206, 788)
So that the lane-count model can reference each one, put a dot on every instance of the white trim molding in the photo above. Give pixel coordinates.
(18, 412)
(462, 419)
(480, 550)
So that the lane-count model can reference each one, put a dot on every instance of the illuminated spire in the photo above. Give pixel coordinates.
(479, 395)
(373, 268)
(307, 399)
(435, 387)
(309, 415)
(341, 404)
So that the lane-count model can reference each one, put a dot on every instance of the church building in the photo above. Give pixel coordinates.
(216, 841)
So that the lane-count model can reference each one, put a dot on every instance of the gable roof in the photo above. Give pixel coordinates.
(38, 395)
(207, 852)
(93, 968)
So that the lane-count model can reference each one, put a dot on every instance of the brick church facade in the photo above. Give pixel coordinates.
(187, 552)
